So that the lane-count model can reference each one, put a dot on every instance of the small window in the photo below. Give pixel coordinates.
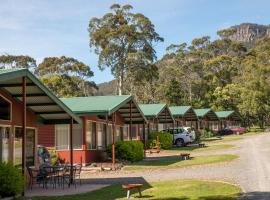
(91, 135)
(62, 136)
(5, 109)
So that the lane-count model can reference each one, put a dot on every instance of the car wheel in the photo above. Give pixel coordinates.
(179, 143)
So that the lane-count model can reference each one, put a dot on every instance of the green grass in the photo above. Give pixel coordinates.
(228, 138)
(175, 162)
(198, 149)
(166, 190)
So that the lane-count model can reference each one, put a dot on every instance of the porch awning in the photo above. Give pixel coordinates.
(185, 112)
(157, 111)
(125, 105)
(39, 99)
(206, 113)
(230, 114)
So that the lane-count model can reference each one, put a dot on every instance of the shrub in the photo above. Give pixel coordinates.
(165, 140)
(54, 158)
(127, 150)
(206, 133)
(11, 180)
(198, 136)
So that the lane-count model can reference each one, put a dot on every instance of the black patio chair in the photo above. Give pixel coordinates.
(32, 176)
(65, 176)
(77, 174)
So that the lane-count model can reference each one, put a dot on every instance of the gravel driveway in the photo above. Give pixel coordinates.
(251, 171)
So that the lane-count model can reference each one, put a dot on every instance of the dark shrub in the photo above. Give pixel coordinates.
(165, 140)
(206, 134)
(127, 150)
(11, 180)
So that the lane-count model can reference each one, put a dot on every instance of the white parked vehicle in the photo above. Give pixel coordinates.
(182, 135)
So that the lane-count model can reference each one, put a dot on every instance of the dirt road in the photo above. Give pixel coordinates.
(251, 171)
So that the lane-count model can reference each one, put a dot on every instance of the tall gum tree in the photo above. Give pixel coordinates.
(123, 40)
(66, 76)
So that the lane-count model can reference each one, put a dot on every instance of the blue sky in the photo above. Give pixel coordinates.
(42, 28)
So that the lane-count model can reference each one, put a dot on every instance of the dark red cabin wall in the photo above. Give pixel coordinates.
(16, 113)
(46, 135)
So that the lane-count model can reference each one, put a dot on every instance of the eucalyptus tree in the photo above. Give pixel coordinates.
(17, 61)
(66, 76)
(123, 40)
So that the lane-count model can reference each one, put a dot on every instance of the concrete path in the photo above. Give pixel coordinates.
(251, 171)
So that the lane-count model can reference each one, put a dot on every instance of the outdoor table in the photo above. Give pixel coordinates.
(132, 186)
(53, 173)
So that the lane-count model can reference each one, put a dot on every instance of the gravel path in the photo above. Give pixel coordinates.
(251, 171)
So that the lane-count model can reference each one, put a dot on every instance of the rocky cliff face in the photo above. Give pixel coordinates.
(248, 32)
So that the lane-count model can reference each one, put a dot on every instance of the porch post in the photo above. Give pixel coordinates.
(24, 130)
(107, 129)
(130, 120)
(113, 141)
(165, 119)
(71, 149)
(144, 136)
(157, 122)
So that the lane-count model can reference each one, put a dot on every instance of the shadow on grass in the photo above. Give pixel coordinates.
(186, 148)
(113, 191)
(159, 161)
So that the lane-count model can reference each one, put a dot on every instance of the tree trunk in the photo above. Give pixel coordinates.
(120, 83)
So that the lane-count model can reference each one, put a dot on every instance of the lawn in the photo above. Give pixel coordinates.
(166, 190)
(175, 162)
(228, 138)
(198, 149)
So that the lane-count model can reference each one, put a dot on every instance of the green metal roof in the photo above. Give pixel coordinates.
(206, 112)
(96, 104)
(202, 112)
(152, 110)
(106, 105)
(224, 114)
(39, 98)
(179, 110)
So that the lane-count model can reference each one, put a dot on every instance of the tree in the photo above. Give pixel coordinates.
(12, 61)
(66, 76)
(255, 83)
(123, 40)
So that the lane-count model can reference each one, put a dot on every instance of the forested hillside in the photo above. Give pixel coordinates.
(222, 74)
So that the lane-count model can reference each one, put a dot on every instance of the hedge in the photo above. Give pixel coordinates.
(11, 180)
(165, 140)
(132, 151)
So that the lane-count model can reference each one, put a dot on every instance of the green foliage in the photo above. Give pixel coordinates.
(11, 61)
(206, 134)
(123, 40)
(132, 151)
(66, 76)
(54, 158)
(11, 180)
(164, 139)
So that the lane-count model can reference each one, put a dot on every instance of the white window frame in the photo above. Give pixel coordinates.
(55, 140)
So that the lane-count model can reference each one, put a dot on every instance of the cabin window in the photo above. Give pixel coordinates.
(4, 144)
(63, 137)
(109, 134)
(119, 133)
(77, 136)
(101, 136)
(125, 132)
(5, 109)
(134, 132)
(30, 146)
(91, 135)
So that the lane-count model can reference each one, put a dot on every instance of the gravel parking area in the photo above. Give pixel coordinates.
(251, 171)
